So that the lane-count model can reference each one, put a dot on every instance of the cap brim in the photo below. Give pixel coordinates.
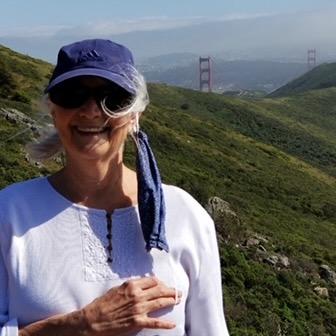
(116, 78)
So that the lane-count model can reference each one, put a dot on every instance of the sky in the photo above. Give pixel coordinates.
(41, 17)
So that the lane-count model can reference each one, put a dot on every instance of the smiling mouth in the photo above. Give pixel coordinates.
(92, 130)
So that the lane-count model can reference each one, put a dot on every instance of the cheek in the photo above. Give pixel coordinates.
(60, 118)
(59, 125)
(118, 136)
(117, 139)
(121, 127)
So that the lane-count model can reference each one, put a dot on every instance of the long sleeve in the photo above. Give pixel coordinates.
(204, 310)
(8, 327)
(192, 236)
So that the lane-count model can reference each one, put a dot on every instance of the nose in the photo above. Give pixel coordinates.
(90, 109)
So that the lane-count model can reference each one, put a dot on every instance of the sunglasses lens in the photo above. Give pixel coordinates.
(117, 99)
(73, 94)
(68, 96)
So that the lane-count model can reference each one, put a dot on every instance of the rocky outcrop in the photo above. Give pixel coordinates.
(228, 224)
(271, 260)
(258, 243)
(327, 274)
(283, 261)
(322, 292)
(32, 162)
(28, 125)
(252, 242)
(220, 208)
(277, 260)
(256, 240)
(14, 116)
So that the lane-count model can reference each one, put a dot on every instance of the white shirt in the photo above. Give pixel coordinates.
(53, 258)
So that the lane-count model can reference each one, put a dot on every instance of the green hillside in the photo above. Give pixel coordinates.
(321, 77)
(21, 82)
(21, 77)
(274, 161)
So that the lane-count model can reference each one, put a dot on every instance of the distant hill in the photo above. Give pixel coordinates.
(227, 75)
(273, 160)
(167, 61)
(321, 77)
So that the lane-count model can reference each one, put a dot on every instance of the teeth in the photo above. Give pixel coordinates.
(91, 129)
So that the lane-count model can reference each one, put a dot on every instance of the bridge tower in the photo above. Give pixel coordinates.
(311, 58)
(205, 71)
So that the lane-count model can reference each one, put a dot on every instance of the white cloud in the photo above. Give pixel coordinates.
(31, 31)
(155, 23)
(117, 26)
(102, 28)
(243, 16)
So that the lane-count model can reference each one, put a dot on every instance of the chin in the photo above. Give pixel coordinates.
(94, 154)
(94, 147)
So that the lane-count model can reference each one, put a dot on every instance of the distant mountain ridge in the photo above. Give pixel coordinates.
(321, 77)
(168, 61)
(226, 75)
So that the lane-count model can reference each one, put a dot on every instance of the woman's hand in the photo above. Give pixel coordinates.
(125, 309)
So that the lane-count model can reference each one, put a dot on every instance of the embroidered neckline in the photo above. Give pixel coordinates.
(128, 252)
(118, 211)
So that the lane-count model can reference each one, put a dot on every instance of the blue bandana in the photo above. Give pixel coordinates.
(150, 196)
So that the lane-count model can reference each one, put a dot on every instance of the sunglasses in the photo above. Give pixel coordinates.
(73, 94)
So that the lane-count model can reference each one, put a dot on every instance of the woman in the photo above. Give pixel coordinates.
(98, 249)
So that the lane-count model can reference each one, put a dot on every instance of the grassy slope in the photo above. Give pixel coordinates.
(21, 82)
(272, 159)
(21, 77)
(239, 156)
(323, 76)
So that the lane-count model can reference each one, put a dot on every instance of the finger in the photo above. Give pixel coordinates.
(178, 293)
(145, 282)
(155, 323)
(137, 285)
(153, 305)
(157, 292)
(133, 289)
(141, 309)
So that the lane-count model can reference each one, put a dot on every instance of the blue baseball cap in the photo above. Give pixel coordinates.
(95, 57)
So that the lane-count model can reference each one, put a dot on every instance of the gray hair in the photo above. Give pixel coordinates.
(48, 145)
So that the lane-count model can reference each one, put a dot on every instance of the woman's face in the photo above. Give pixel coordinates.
(86, 131)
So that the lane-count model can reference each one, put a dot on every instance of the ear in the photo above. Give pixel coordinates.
(131, 124)
(134, 124)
